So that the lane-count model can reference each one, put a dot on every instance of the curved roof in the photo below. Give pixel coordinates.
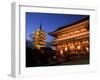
(60, 28)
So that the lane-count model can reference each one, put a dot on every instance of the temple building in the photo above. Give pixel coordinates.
(39, 38)
(72, 38)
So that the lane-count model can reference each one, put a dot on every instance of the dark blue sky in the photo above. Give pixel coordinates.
(49, 22)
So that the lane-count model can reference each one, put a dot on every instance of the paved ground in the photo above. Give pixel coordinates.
(73, 61)
(76, 61)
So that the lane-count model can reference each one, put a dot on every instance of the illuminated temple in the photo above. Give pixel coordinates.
(39, 38)
(72, 38)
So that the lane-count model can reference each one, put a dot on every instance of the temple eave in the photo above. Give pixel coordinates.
(81, 38)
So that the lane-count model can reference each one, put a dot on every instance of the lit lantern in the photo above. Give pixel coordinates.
(78, 31)
(75, 32)
(81, 29)
(78, 47)
(66, 48)
(84, 29)
(83, 42)
(63, 35)
(72, 47)
(86, 41)
(71, 33)
(61, 52)
(69, 44)
(63, 45)
(87, 49)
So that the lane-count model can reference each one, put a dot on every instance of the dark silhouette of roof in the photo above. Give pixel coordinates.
(86, 18)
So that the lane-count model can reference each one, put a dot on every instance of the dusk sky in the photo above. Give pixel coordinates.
(49, 22)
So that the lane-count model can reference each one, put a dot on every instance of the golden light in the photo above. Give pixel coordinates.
(68, 34)
(87, 48)
(78, 31)
(86, 41)
(69, 44)
(83, 29)
(72, 44)
(66, 48)
(83, 42)
(63, 45)
(72, 47)
(61, 52)
(76, 43)
(59, 36)
(78, 47)
(60, 46)
(79, 42)
(75, 31)
(63, 35)
(71, 33)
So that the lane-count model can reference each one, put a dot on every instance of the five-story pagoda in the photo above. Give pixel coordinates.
(39, 38)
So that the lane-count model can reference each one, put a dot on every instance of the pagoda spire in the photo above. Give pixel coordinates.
(40, 27)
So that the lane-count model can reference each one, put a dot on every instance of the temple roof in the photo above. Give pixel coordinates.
(86, 18)
(60, 28)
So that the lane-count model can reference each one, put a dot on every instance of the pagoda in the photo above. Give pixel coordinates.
(39, 38)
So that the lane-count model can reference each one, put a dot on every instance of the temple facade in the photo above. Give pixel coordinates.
(72, 38)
